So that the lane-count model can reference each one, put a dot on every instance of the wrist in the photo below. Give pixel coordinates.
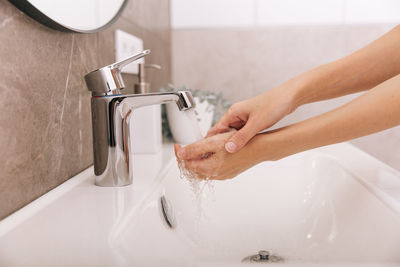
(292, 93)
(296, 89)
(280, 143)
(253, 151)
(265, 147)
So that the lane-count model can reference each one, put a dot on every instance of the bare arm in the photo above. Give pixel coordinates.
(357, 72)
(372, 112)
(376, 110)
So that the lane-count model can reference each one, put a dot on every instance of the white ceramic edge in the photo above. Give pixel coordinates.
(390, 201)
(19, 216)
(385, 197)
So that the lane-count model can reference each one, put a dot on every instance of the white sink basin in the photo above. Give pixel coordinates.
(334, 206)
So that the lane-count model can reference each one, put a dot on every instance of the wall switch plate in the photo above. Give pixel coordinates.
(127, 45)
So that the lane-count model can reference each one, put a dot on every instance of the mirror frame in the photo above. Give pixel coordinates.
(39, 16)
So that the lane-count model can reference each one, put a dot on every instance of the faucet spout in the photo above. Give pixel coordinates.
(111, 137)
(183, 99)
(111, 112)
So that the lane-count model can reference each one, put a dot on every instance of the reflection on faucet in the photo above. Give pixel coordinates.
(111, 111)
(126, 135)
(111, 138)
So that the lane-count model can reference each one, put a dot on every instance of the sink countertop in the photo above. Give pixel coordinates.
(80, 224)
(148, 170)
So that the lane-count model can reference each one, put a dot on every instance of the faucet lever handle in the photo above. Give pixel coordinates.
(128, 60)
(108, 80)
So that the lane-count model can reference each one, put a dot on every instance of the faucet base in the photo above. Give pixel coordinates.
(111, 132)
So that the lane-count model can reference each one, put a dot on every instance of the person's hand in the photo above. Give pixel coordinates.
(252, 116)
(208, 159)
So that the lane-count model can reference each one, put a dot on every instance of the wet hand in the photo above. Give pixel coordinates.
(252, 116)
(208, 159)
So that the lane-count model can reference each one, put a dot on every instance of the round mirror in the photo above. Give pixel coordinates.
(85, 16)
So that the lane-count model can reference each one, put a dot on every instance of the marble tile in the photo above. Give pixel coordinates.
(158, 78)
(45, 121)
(31, 101)
(210, 60)
(152, 15)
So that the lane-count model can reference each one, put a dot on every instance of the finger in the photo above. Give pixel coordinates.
(196, 150)
(200, 167)
(216, 129)
(237, 125)
(203, 169)
(177, 147)
(224, 122)
(241, 137)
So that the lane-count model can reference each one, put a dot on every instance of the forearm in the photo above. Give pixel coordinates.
(376, 110)
(357, 72)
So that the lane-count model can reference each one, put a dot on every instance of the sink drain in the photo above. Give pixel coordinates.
(263, 256)
(167, 212)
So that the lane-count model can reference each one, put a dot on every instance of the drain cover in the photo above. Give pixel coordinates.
(167, 212)
(263, 256)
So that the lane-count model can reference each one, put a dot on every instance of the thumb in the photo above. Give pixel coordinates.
(241, 137)
(177, 147)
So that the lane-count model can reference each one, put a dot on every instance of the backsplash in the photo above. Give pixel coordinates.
(45, 122)
(246, 61)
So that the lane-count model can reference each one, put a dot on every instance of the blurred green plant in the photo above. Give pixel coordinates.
(217, 103)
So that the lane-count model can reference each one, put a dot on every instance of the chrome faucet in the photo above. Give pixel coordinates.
(111, 112)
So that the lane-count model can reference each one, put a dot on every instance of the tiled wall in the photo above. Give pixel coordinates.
(244, 62)
(45, 123)
(256, 13)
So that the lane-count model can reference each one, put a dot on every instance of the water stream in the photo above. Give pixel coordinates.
(193, 127)
(201, 188)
